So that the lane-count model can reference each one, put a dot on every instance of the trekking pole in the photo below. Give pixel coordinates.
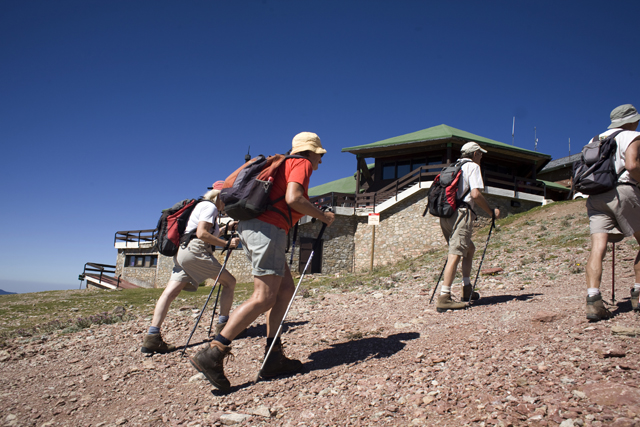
(437, 283)
(613, 272)
(275, 338)
(493, 223)
(209, 297)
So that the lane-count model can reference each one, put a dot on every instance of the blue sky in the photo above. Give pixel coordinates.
(111, 111)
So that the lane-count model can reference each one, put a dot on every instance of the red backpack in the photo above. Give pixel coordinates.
(442, 199)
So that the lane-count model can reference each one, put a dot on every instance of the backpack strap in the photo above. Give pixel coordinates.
(271, 205)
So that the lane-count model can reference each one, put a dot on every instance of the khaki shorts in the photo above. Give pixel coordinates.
(616, 212)
(458, 230)
(265, 246)
(194, 263)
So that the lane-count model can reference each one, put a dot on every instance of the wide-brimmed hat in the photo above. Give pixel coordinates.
(471, 147)
(307, 141)
(623, 115)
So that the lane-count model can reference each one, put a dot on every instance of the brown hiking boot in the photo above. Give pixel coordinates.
(466, 290)
(635, 295)
(209, 361)
(596, 309)
(446, 303)
(153, 343)
(278, 363)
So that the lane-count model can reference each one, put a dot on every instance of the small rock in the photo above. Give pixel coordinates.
(623, 330)
(579, 394)
(197, 377)
(261, 411)
(121, 421)
(567, 423)
(611, 352)
(544, 316)
(233, 418)
(4, 355)
(106, 377)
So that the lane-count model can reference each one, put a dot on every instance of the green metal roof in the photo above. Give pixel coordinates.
(342, 185)
(555, 186)
(438, 133)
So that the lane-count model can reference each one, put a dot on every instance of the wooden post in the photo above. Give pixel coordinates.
(373, 240)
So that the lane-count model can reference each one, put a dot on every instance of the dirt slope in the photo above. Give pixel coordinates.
(523, 355)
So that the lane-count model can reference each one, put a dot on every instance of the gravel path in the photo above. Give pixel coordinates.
(524, 354)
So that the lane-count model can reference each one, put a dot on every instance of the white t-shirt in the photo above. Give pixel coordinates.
(471, 178)
(624, 139)
(204, 211)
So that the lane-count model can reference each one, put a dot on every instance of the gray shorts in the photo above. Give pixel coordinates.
(616, 212)
(265, 246)
(194, 263)
(458, 229)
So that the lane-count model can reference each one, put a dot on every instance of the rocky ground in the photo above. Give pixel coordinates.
(524, 354)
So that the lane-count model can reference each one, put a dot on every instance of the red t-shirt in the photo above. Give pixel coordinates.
(293, 170)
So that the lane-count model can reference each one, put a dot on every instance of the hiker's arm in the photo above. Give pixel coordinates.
(479, 200)
(632, 159)
(202, 232)
(296, 201)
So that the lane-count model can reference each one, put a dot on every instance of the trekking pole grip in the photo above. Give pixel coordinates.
(226, 247)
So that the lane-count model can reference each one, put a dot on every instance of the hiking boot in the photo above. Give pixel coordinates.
(153, 343)
(278, 363)
(209, 361)
(596, 309)
(634, 299)
(446, 303)
(466, 290)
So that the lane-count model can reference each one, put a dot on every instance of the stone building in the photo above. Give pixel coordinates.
(391, 181)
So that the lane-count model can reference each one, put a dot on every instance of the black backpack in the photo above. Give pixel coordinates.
(171, 225)
(245, 192)
(595, 172)
(442, 199)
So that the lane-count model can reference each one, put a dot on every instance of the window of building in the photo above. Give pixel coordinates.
(403, 168)
(141, 261)
(388, 170)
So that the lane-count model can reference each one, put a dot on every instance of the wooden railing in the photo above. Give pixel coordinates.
(92, 267)
(424, 173)
(135, 236)
(345, 200)
(429, 172)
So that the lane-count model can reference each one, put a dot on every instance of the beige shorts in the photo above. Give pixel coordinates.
(194, 264)
(616, 212)
(458, 230)
(265, 246)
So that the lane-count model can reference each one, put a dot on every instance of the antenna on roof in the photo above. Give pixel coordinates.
(513, 130)
(569, 146)
(535, 136)
(247, 157)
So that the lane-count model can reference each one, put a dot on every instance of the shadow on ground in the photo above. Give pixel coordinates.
(502, 299)
(358, 350)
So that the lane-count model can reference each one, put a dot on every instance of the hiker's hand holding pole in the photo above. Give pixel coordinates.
(296, 201)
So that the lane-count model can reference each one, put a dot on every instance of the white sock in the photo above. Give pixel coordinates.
(636, 287)
(592, 292)
(466, 281)
(445, 290)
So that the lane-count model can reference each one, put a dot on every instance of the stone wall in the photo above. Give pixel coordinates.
(403, 232)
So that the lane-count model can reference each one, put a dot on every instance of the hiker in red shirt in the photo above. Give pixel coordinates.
(264, 240)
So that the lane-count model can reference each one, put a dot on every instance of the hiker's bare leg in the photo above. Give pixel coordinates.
(265, 292)
(467, 261)
(450, 269)
(285, 293)
(162, 306)
(594, 263)
(226, 295)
